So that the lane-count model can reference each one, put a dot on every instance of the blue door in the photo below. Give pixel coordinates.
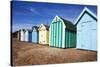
(30, 36)
(34, 37)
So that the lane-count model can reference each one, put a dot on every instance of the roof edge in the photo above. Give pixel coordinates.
(85, 10)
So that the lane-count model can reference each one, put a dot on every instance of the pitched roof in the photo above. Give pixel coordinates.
(28, 30)
(85, 10)
(22, 30)
(68, 24)
(46, 26)
(35, 27)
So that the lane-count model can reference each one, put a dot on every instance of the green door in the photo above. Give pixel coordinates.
(56, 34)
(59, 31)
(53, 34)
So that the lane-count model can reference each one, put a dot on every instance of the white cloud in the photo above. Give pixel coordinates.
(17, 27)
(33, 10)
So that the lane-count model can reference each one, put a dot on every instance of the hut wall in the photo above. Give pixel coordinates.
(86, 33)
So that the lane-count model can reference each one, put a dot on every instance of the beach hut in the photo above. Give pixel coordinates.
(86, 30)
(43, 34)
(28, 35)
(35, 34)
(22, 35)
(62, 33)
(16, 35)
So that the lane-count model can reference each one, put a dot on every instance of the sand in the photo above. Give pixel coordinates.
(24, 53)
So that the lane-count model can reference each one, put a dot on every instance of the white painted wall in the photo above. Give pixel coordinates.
(86, 33)
(22, 35)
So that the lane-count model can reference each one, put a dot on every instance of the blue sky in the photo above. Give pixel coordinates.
(27, 14)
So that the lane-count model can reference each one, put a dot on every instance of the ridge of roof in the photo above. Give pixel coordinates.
(83, 11)
(47, 26)
(68, 24)
(36, 27)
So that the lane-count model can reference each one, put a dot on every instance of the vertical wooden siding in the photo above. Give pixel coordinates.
(60, 36)
(56, 34)
(70, 39)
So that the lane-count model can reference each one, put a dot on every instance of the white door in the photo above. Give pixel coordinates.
(22, 36)
(85, 41)
(84, 36)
